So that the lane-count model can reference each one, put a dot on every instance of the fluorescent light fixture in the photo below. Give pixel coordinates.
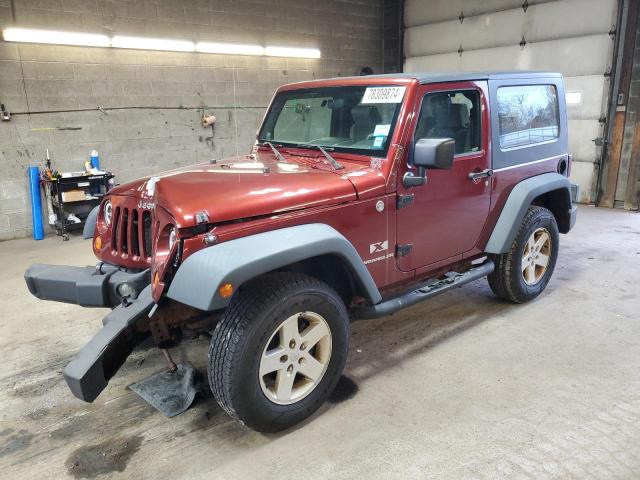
(30, 35)
(142, 43)
(292, 52)
(573, 98)
(229, 48)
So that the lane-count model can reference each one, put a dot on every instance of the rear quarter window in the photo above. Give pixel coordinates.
(527, 115)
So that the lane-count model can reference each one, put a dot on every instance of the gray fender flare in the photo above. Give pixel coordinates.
(517, 204)
(197, 280)
(90, 223)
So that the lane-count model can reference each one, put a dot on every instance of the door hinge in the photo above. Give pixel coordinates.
(404, 200)
(402, 250)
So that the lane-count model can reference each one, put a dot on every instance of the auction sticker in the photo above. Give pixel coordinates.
(383, 95)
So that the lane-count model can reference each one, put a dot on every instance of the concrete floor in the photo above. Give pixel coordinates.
(463, 386)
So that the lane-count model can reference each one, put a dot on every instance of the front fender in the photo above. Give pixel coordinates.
(90, 223)
(197, 280)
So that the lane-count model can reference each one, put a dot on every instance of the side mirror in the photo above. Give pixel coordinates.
(430, 153)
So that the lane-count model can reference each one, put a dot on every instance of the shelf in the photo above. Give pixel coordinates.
(78, 201)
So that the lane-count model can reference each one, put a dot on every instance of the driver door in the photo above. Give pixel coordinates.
(446, 215)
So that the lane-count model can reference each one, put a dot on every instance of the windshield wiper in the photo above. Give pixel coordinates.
(275, 152)
(334, 163)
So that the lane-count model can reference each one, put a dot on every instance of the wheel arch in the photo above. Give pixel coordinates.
(557, 202)
(549, 190)
(300, 248)
(332, 270)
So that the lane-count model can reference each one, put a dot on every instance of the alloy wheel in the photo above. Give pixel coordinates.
(295, 358)
(536, 255)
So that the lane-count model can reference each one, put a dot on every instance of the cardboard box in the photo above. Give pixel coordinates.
(73, 196)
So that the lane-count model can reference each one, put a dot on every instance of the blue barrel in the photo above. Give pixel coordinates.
(36, 203)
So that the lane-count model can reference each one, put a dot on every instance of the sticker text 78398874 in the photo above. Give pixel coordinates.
(383, 95)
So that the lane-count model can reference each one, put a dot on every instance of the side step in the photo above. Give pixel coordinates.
(428, 290)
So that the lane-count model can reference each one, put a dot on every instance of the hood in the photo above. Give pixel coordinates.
(245, 187)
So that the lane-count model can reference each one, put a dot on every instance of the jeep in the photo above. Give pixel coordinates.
(361, 196)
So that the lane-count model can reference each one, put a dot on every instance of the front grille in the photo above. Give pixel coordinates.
(131, 232)
(146, 230)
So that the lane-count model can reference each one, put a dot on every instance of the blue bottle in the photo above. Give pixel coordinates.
(95, 159)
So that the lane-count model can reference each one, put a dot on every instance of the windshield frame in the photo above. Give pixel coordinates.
(368, 152)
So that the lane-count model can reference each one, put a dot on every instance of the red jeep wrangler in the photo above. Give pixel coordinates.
(362, 196)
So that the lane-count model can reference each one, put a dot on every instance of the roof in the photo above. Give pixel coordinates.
(434, 77)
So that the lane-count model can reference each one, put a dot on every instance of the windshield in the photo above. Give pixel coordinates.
(354, 119)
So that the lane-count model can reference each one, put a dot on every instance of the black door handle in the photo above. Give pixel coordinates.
(478, 175)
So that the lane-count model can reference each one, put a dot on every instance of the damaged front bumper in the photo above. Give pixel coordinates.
(124, 328)
(98, 286)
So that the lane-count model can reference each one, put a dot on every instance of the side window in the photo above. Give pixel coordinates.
(454, 114)
(527, 114)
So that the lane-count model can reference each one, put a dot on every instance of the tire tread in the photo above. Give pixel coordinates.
(229, 334)
(501, 280)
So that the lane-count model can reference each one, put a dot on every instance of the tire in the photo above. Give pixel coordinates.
(520, 281)
(254, 325)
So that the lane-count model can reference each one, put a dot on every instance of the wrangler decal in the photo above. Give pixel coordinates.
(380, 258)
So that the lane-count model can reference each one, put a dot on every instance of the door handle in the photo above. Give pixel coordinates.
(475, 176)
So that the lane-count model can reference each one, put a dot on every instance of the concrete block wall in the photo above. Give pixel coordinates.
(153, 101)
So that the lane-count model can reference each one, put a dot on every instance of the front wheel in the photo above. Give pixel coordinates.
(523, 272)
(279, 351)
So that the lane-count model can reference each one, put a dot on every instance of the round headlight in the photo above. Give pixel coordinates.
(172, 238)
(108, 212)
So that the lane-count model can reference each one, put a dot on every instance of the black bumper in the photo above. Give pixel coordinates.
(86, 286)
(573, 215)
(573, 212)
(99, 360)
(125, 327)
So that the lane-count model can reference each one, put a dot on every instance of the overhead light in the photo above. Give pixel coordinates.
(55, 37)
(30, 35)
(142, 43)
(292, 52)
(229, 48)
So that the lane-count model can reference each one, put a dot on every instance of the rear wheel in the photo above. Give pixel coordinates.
(523, 272)
(279, 351)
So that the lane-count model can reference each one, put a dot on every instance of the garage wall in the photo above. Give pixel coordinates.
(161, 95)
(569, 36)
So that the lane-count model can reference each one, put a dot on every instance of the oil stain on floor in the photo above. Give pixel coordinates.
(13, 442)
(110, 456)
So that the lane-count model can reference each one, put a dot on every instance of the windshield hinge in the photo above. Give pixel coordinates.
(403, 250)
(404, 200)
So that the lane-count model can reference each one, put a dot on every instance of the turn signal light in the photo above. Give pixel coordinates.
(97, 243)
(156, 280)
(225, 290)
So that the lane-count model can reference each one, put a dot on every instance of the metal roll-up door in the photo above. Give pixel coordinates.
(482, 35)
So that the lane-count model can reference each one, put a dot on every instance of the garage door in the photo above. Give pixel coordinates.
(569, 36)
